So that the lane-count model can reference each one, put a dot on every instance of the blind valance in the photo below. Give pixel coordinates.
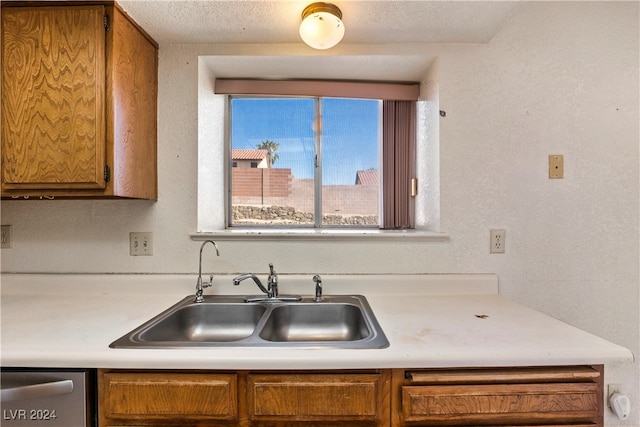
(326, 88)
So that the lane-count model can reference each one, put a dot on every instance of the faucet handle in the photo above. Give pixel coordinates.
(201, 286)
(272, 282)
(318, 280)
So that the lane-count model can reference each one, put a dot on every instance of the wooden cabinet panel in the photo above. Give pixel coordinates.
(53, 107)
(549, 396)
(79, 102)
(503, 375)
(132, 64)
(166, 396)
(505, 403)
(316, 397)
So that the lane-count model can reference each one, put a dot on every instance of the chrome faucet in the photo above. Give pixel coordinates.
(199, 285)
(318, 281)
(272, 282)
(240, 278)
(271, 290)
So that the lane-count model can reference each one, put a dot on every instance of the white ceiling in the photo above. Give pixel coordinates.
(275, 22)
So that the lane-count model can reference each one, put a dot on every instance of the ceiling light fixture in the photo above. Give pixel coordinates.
(321, 26)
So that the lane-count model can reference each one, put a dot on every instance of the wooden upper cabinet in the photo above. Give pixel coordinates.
(79, 103)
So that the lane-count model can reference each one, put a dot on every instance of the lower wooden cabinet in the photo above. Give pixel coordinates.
(158, 398)
(546, 396)
(344, 397)
(550, 396)
(198, 398)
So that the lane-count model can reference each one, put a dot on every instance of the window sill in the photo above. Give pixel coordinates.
(367, 235)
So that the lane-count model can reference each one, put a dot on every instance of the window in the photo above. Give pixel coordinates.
(316, 161)
(213, 211)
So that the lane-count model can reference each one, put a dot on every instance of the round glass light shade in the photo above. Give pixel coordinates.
(321, 26)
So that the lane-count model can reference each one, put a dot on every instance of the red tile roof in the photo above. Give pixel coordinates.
(249, 154)
(367, 177)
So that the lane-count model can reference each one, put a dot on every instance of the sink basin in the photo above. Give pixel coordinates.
(205, 322)
(226, 321)
(315, 322)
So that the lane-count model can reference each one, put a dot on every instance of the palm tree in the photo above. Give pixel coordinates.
(272, 148)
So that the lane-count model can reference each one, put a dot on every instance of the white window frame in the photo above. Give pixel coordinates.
(213, 163)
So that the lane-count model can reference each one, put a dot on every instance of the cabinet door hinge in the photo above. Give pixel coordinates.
(107, 173)
(107, 22)
(414, 187)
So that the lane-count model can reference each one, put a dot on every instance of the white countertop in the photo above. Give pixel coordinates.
(430, 321)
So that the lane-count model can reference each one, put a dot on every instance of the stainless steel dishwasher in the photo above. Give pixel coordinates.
(54, 398)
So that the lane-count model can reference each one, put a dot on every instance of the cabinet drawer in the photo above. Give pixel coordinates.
(523, 396)
(315, 397)
(169, 396)
(503, 403)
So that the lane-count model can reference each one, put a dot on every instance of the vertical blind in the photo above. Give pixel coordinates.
(398, 163)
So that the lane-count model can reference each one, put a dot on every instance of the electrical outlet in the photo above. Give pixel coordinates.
(611, 389)
(6, 237)
(496, 241)
(140, 244)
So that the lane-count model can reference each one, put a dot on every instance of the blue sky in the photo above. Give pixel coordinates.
(350, 133)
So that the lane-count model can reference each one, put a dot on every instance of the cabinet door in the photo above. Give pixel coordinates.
(318, 397)
(166, 398)
(53, 86)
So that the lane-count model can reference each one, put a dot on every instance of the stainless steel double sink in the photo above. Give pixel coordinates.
(337, 321)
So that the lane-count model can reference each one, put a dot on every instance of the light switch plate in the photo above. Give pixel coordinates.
(141, 244)
(6, 237)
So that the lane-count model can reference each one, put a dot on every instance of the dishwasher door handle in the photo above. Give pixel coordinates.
(36, 391)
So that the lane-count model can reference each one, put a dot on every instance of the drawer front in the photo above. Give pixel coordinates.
(170, 396)
(311, 397)
(501, 403)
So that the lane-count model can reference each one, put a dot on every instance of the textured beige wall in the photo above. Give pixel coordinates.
(560, 78)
